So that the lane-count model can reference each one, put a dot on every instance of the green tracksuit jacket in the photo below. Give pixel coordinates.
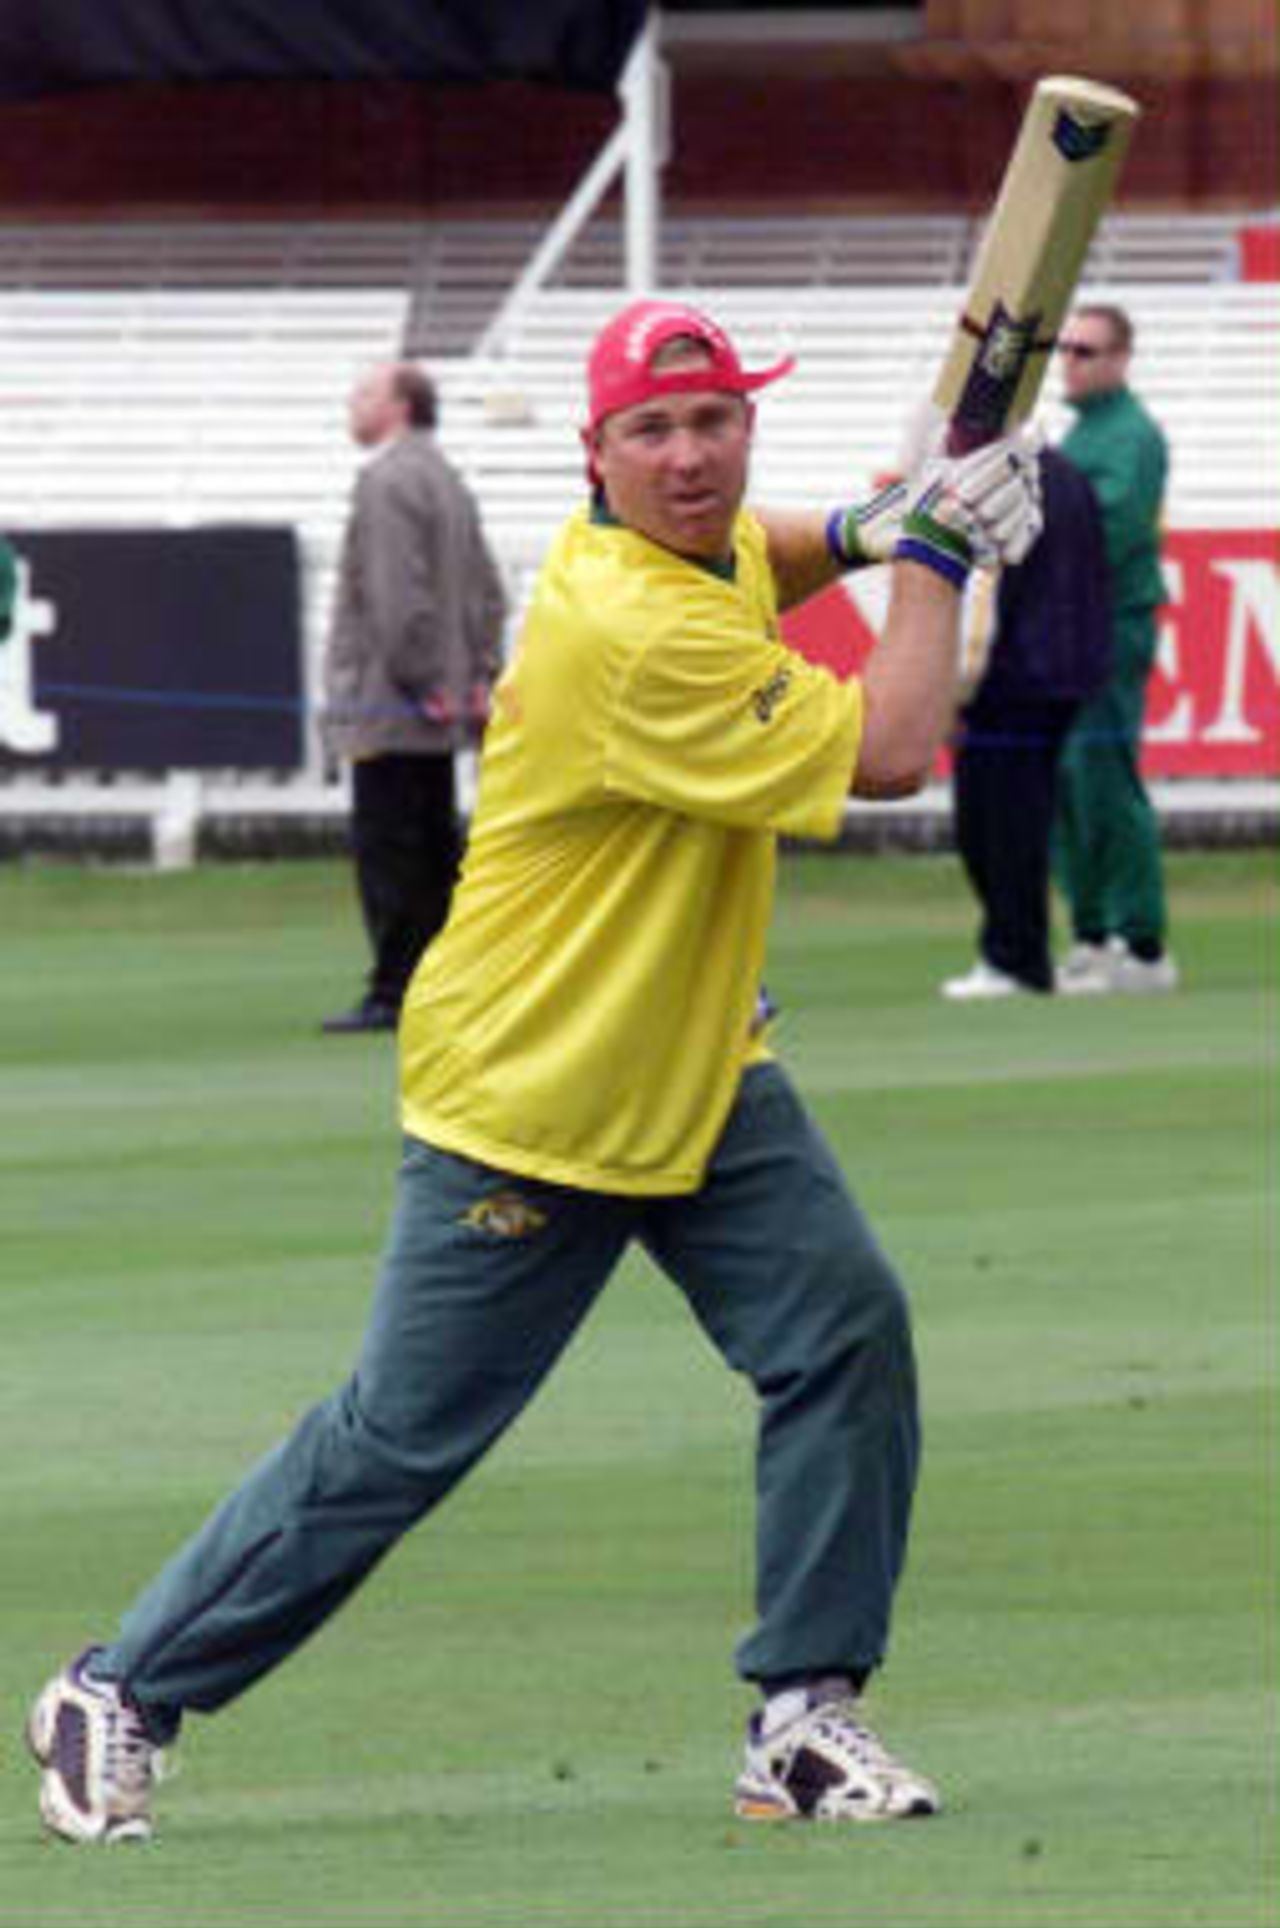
(8, 587)
(1123, 453)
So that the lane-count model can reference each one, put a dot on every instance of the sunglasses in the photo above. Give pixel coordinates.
(1080, 350)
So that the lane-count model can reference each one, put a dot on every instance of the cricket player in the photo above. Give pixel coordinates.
(582, 1065)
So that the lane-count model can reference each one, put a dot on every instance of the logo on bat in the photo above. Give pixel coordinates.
(1005, 349)
(1079, 140)
(1005, 346)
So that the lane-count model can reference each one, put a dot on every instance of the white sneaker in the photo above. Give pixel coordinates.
(983, 981)
(824, 1764)
(1140, 977)
(1085, 971)
(98, 1761)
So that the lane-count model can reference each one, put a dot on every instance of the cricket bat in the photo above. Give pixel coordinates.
(1064, 164)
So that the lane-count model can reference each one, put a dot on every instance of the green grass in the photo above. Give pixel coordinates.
(529, 1715)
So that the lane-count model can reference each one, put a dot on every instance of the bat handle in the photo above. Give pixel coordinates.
(963, 437)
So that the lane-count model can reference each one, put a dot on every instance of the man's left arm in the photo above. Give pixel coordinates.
(983, 507)
(810, 549)
(801, 562)
(488, 613)
(403, 606)
(1127, 472)
(484, 615)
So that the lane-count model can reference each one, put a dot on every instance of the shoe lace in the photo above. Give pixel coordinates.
(131, 1759)
(838, 1722)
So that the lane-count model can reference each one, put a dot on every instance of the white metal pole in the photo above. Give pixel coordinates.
(645, 98)
(557, 241)
(636, 150)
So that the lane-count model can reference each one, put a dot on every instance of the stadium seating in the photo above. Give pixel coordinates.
(171, 374)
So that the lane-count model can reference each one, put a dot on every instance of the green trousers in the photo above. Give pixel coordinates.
(1106, 855)
(485, 1280)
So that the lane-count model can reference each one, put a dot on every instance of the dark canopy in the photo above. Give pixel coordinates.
(50, 45)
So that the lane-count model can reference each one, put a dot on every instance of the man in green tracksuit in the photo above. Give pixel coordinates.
(1107, 836)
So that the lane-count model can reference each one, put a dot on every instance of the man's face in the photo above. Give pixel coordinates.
(675, 468)
(1092, 360)
(374, 411)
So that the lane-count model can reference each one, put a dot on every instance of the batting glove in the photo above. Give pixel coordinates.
(984, 507)
(863, 533)
(868, 532)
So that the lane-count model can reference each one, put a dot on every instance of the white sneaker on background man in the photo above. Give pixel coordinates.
(983, 981)
(1140, 976)
(1085, 971)
(1089, 969)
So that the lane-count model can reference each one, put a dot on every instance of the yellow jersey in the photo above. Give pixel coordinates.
(586, 1013)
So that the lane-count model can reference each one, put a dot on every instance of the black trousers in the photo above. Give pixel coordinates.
(1004, 790)
(407, 848)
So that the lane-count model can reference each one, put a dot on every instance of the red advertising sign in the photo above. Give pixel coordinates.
(1213, 707)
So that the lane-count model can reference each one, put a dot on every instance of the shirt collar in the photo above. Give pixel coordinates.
(602, 515)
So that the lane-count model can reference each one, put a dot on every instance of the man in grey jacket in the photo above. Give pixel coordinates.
(414, 648)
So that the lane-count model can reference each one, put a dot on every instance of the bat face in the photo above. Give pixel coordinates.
(1059, 178)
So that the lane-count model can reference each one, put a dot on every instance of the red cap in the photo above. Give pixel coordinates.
(620, 371)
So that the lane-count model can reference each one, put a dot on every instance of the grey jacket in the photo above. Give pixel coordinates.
(419, 607)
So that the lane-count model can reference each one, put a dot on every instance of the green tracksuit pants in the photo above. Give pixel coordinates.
(485, 1280)
(1106, 855)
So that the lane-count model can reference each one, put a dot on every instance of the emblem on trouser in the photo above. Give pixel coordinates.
(505, 1214)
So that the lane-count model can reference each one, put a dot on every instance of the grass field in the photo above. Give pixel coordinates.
(529, 1716)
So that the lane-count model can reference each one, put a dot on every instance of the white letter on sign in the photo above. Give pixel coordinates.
(22, 726)
(1255, 604)
(1177, 725)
